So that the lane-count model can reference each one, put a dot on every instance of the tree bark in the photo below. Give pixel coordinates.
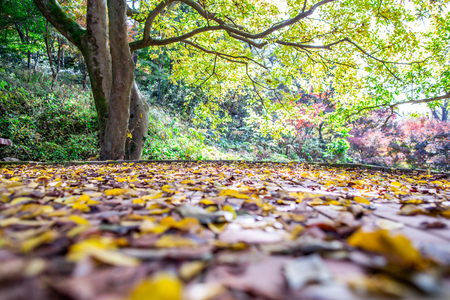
(137, 125)
(36, 61)
(444, 108)
(97, 59)
(111, 73)
(113, 145)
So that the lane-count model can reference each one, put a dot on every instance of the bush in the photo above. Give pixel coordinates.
(45, 122)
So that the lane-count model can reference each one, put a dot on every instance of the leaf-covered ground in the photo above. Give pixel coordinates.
(219, 231)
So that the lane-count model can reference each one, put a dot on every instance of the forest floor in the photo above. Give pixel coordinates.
(219, 231)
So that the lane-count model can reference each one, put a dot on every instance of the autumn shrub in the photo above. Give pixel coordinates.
(411, 142)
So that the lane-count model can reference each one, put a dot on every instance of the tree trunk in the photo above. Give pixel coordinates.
(444, 108)
(137, 125)
(49, 48)
(111, 73)
(36, 61)
(320, 133)
(113, 145)
(97, 59)
(28, 60)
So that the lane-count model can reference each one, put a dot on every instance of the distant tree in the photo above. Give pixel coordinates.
(441, 111)
(22, 28)
(412, 142)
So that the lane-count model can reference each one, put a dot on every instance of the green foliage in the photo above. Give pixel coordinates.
(337, 149)
(45, 123)
(169, 139)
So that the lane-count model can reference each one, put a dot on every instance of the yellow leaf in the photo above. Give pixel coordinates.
(159, 195)
(189, 269)
(150, 226)
(16, 221)
(163, 286)
(233, 193)
(397, 249)
(185, 224)
(396, 183)
(55, 183)
(188, 181)
(31, 244)
(446, 214)
(174, 241)
(43, 178)
(316, 201)
(114, 258)
(437, 183)
(296, 231)
(102, 249)
(233, 246)
(9, 183)
(330, 183)
(79, 220)
(20, 200)
(360, 182)
(77, 230)
(166, 188)
(207, 202)
(84, 198)
(335, 203)
(361, 200)
(47, 209)
(389, 197)
(211, 208)
(58, 213)
(33, 185)
(81, 207)
(217, 228)
(69, 200)
(159, 211)
(138, 201)
(114, 192)
(230, 209)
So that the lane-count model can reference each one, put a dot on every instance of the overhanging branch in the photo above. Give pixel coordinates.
(61, 21)
(223, 55)
(394, 105)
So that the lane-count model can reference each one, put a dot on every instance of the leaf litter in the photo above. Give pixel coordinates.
(216, 231)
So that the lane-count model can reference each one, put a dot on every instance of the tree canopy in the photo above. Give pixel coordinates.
(367, 53)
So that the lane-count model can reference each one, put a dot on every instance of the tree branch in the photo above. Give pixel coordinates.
(327, 47)
(234, 32)
(131, 11)
(152, 16)
(61, 21)
(220, 54)
(211, 16)
(151, 42)
(392, 106)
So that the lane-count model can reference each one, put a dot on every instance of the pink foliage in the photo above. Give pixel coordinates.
(419, 142)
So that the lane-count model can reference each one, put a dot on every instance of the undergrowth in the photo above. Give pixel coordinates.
(58, 122)
(45, 122)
